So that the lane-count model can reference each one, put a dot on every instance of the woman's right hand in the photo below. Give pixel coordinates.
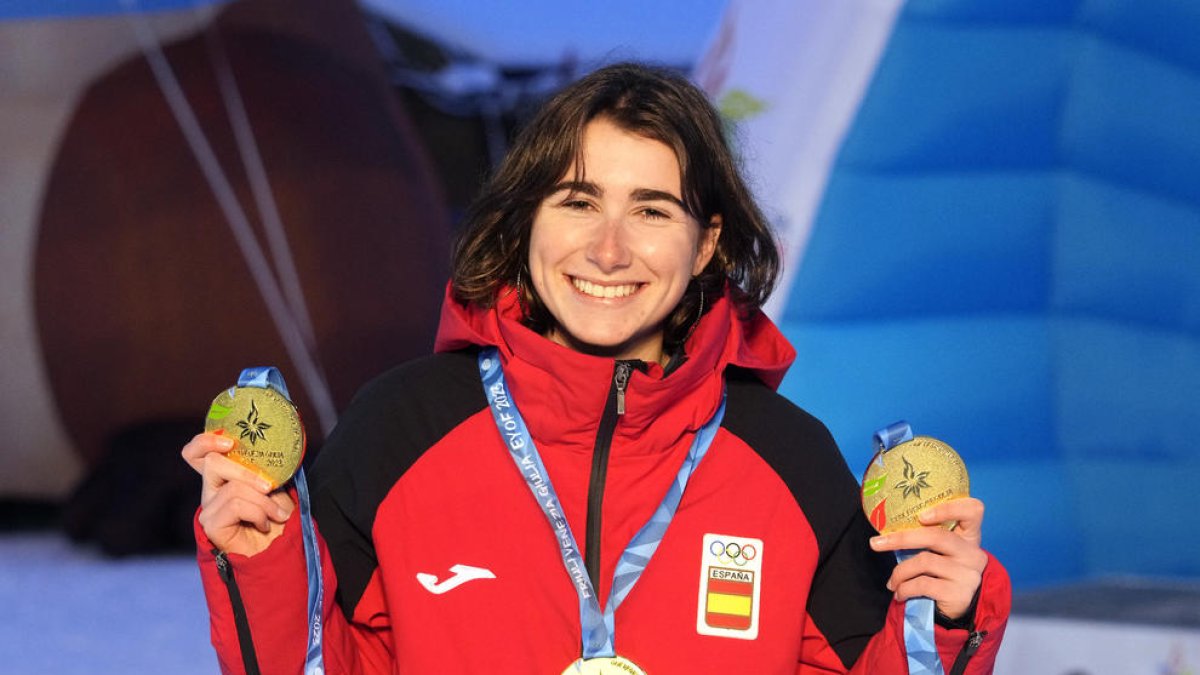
(238, 511)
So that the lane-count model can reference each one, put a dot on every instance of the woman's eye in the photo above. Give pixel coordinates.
(577, 204)
(655, 214)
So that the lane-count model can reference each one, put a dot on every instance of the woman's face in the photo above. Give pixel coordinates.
(610, 256)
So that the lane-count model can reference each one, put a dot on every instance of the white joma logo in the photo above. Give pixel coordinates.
(461, 574)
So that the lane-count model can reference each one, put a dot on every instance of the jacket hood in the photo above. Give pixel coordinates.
(569, 388)
(756, 344)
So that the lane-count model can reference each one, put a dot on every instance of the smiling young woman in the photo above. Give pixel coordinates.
(594, 472)
(612, 251)
(668, 122)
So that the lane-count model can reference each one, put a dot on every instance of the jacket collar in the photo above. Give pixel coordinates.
(562, 393)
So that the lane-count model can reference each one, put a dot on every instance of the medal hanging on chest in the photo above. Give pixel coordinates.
(597, 624)
(604, 665)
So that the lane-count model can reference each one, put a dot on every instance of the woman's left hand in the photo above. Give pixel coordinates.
(950, 568)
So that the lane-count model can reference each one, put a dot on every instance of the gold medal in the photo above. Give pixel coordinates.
(606, 665)
(266, 428)
(902, 482)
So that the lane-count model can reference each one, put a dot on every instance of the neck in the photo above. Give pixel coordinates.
(650, 351)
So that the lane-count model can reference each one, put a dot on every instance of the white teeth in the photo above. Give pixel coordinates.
(598, 291)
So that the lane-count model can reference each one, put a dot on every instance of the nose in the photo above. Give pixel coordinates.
(609, 246)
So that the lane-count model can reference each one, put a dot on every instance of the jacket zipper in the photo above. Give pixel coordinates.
(621, 380)
(973, 641)
(613, 408)
(225, 571)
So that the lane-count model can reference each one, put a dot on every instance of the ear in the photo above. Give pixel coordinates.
(707, 245)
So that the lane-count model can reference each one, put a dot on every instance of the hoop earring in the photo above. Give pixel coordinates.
(521, 297)
(699, 313)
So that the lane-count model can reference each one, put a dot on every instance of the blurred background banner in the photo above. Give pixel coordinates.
(60, 9)
(1006, 256)
(789, 77)
(129, 297)
(989, 212)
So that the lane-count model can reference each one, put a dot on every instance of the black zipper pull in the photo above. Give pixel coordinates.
(223, 568)
(974, 640)
(621, 379)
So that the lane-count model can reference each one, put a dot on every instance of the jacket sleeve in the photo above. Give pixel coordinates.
(848, 608)
(385, 429)
(975, 649)
(981, 644)
(272, 588)
(854, 626)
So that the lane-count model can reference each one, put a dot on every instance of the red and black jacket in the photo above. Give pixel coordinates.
(416, 479)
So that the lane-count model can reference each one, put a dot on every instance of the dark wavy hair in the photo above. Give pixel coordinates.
(492, 252)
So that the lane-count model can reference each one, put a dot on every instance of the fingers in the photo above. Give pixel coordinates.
(237, 508)
(204, 444)
(966, 513)
(283, 501)
(937, 542)
(950, 598)
(933, 538)
(239, 511)
(238, 503)
(949, 567)
(219, 470)
(948, 581)
(933, 566)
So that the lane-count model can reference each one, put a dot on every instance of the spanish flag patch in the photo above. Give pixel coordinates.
(730, 582)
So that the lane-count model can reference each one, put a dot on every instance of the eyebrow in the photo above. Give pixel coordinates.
(586, 187)
(648, 195)
(640, 194)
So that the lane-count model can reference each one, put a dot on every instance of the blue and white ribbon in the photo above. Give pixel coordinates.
(919, 640)
(314, 662)
(598, 626)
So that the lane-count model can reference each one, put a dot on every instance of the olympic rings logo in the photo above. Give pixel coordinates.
(732, 553)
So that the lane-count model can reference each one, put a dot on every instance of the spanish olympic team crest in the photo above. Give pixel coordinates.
(730, 583)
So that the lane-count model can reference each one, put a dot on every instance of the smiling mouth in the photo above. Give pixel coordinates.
(601, 291)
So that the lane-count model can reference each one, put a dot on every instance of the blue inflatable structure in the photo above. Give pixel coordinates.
(1008, 256)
